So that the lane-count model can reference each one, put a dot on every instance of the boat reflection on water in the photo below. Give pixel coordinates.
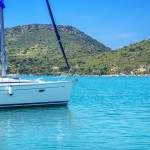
(33, 123)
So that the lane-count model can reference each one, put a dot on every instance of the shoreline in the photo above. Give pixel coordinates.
(146, 75)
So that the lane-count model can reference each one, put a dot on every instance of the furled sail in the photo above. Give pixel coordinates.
(2, 39)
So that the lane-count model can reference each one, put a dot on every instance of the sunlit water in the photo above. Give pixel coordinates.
(103, 113)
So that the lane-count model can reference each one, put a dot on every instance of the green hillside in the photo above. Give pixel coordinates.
(33, 49)
(130, 60)
(74, 41)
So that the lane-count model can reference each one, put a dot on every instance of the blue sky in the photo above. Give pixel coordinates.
(115, 23)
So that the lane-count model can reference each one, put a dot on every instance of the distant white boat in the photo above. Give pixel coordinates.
(17, 92)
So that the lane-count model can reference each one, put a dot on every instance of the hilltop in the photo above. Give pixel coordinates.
(34, 48)
(43, 36)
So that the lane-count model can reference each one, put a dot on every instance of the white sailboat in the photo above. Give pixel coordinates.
(17, 92)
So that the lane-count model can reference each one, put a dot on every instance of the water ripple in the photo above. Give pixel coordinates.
(104, 113)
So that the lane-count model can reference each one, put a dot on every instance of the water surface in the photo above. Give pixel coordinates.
(103, 113)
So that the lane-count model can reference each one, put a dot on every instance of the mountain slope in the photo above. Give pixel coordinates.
(28, 36)
(31, 46)
(132, 59)
(33, 49)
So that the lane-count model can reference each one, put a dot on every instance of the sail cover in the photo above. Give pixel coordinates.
(2, 4)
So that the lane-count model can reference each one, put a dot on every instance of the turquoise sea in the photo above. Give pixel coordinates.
(107, 113)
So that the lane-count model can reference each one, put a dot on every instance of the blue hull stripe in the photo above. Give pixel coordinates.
(34, 104)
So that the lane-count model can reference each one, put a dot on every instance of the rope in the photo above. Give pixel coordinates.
(95, 93)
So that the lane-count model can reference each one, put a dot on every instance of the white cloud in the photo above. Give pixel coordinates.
(125, 35)
(121, 36)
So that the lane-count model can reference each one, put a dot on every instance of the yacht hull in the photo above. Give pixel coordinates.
(41, 94)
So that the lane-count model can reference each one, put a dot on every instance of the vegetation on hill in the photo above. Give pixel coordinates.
(33, 49)
(129, 60)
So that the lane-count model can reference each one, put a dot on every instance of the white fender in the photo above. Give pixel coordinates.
(10, 90)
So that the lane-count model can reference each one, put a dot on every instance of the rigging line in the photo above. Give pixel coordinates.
(57, 34)
(93, 92)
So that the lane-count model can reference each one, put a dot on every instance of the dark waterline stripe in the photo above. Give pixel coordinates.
(55, 103)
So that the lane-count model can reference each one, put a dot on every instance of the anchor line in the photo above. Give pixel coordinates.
(93, 92)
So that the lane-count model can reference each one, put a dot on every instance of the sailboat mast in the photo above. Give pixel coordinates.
(57, 34)
(2, 39)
